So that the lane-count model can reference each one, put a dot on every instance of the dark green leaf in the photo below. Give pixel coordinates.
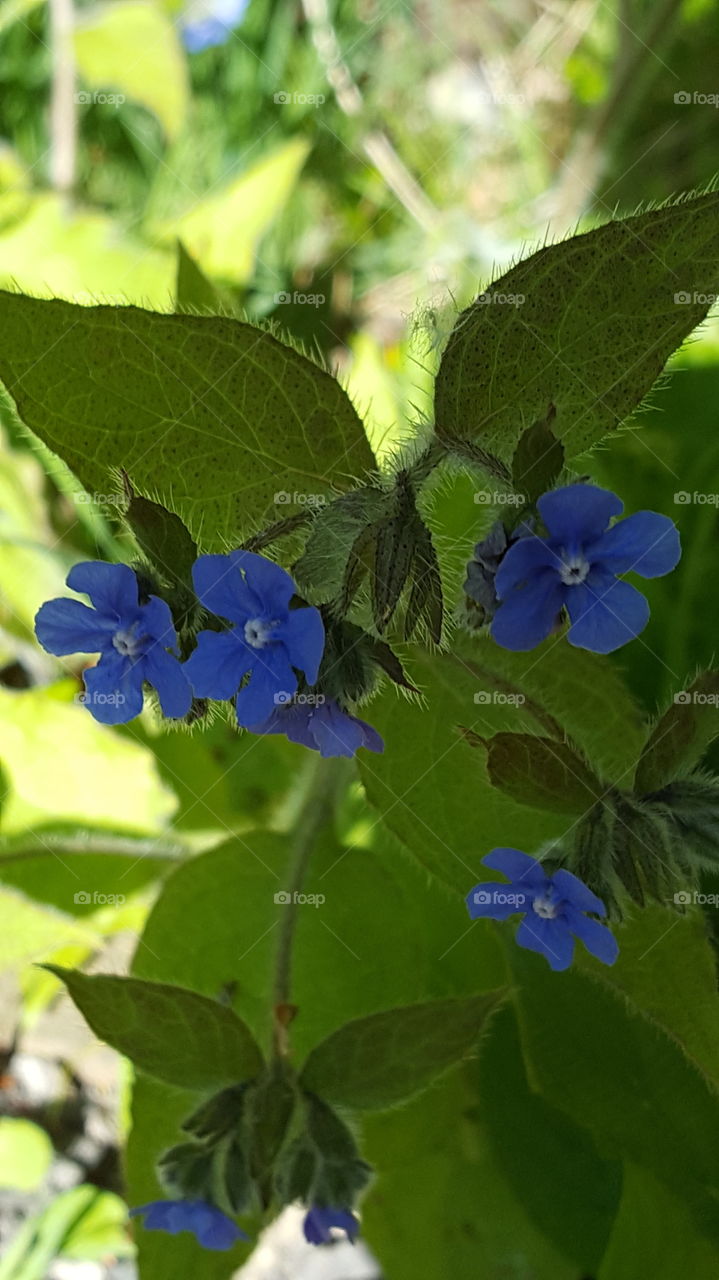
(375, 1062)
(538, 459)
(552, 1163)
(681, 736)
(542, 772)
(162, 538)
(177, 1035)
(620, 1076)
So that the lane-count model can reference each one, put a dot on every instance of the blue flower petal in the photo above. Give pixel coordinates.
(337, 733)
(334, 733)
(216, 667)
(166, 675)
(372, 740)
(523, 560)
(113, 689)
(493, 901)
(220, 586)
(598, 940)
(293, 721)
(528, 614)
(578, 512)
(516, 866)
(646, 543)
(156, 621)
(210, 1226)
(303, 635)
(111, 587)
(605, 613)
(214, 1230)
(160, 1215)
(319, 1224)
(67, 626)
(550, 937)
(573, 890)
(268, 581)
(271, 677)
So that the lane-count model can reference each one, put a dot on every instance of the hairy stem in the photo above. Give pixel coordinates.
(315, 813)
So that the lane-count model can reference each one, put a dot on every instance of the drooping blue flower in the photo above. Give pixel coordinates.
(322, 727)
(576, 567)
(132, 639)
(319, 1224)
(553, 906)
(267, 639)
(208, 23)
(210, 1226)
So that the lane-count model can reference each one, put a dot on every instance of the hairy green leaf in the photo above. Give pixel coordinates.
(538, 459)
(681, 736)
(568, 1190)
(375, 1062)
(586, 325)
(177, 1035)
(215, 418)
(433, 790)
(620, 1076)
(541, 772)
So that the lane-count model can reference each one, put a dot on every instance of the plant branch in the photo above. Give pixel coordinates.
(316, 811)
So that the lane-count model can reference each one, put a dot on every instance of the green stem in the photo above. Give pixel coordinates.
(316, 811)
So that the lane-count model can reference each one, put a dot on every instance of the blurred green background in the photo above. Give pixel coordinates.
(355, 173)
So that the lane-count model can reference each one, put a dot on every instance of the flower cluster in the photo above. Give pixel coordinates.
(261, 645)
(575, 568)
(554, 908)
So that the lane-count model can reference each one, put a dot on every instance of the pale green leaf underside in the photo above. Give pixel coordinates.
(208, 414)
(602, 313)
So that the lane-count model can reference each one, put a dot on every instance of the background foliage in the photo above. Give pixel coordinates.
(575, 1143)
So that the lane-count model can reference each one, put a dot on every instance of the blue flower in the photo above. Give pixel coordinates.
(210, 1226)
(131, 638)
(322, 727)
(576, 568)
(266, 641)
(319, 1223)
(208, 23)
(554, 908)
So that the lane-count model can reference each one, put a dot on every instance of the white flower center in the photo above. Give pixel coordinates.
(127, 642)
(574, 569)
(259, 632)
(546, 907)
